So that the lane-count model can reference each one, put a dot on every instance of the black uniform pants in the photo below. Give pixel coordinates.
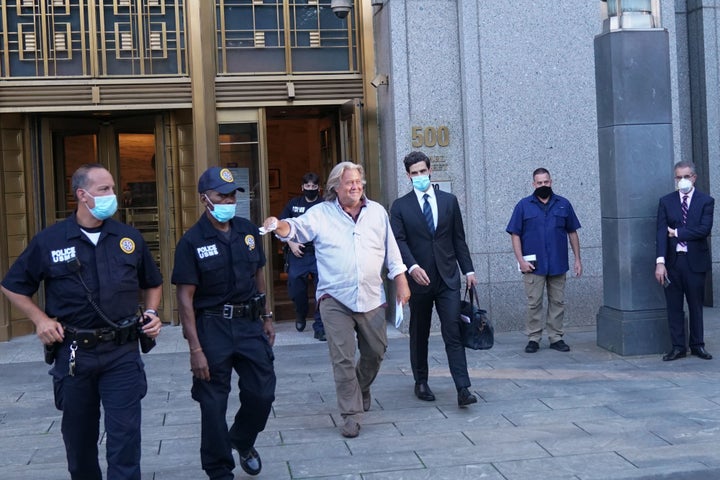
(114, 376)
(232, 344)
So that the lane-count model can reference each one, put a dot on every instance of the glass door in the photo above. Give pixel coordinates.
(127, 148)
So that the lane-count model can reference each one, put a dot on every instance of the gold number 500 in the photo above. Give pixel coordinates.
(430, 136)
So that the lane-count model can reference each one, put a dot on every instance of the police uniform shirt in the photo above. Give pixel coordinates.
(297, 206)
(114, 271)
(222, 270)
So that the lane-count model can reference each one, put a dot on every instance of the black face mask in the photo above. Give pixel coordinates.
(310, 195)
(543, 192)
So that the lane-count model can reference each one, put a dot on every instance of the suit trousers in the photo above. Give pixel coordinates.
(447, 303)
(341, 325)
(534, 288)
(691, 285)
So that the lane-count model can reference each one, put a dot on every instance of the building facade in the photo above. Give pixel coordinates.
(157, 90)
(492, 89)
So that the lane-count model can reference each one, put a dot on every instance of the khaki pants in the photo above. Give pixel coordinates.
(351, 379)
(534, 287)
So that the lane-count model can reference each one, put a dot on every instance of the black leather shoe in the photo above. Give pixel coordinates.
(320, 336)
(674, 354)
(300, 324)
(423, 392)
(560, 346)
(250, 462)
(465, 398)
(532, 347)
(701, 353)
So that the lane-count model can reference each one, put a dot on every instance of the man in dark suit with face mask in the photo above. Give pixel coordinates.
(684, 221)
(428, 227)
(540, 227)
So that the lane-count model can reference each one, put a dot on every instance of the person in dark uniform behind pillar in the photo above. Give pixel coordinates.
(94, 269)
(219, 273)
(300, 257)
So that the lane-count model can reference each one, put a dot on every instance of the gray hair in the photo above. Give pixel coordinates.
(333, 181)
(685, 164)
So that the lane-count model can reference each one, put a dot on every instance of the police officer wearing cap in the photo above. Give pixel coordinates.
(94, 269)
(221, 302)
(300, 257)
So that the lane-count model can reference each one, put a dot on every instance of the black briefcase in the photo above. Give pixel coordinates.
(475, 327)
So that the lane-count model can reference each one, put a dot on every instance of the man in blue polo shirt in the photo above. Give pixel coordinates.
(540, 227)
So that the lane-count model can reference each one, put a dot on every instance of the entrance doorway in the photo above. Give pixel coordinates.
(299, 140)
(127, 147)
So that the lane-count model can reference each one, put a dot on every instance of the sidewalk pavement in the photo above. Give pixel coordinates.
(584, 415)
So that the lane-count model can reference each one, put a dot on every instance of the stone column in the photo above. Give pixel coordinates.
(635, 147)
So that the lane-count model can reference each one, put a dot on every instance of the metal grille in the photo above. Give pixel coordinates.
(284, 36)
(92, 38)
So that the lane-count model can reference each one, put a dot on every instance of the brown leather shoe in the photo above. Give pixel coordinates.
(351, 429)
(367, 400)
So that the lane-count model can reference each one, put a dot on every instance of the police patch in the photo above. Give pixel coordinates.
(127, 245)
(250, 242)
(226, 175)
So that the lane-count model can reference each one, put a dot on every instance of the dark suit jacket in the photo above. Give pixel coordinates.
(695, 232)
(446, 249)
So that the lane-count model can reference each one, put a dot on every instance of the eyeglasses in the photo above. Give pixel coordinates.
(686, 177)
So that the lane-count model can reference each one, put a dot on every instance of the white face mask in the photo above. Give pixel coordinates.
(684, 185)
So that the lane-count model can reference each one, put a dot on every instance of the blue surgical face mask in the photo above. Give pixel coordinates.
(105, 206)
(421, 182)
(222, 212)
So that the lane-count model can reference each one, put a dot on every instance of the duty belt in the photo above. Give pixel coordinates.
(232, 310)
(88, 338)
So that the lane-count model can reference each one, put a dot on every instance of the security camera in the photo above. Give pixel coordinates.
(341, 8)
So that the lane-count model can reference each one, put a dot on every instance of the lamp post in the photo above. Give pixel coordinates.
(635, 150)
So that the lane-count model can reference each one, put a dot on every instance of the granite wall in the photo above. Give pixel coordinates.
(515, 89)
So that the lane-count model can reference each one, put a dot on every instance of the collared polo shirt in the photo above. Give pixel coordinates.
(543, 230)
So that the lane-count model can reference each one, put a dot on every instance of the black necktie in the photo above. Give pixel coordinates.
(427, 211)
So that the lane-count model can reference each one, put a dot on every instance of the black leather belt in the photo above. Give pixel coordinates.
(88, 338)
(232, 310)
(680, 253)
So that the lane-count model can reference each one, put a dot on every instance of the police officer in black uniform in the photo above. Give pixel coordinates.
(221, 302)
(300, 257)
(94, 269)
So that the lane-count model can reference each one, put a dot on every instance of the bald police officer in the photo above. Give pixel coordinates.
(221, 302)
(94, 269)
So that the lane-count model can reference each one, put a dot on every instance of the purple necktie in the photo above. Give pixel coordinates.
(684, 207)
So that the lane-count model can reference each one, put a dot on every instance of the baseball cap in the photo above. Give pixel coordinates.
(219, 179)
